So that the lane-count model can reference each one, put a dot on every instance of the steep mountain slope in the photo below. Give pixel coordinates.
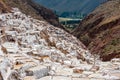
(100, 31)
(32, 49)
(3, 7)
(37, 11)
(83, 6)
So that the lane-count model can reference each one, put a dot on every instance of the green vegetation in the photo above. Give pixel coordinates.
(113, 46)
(69, 23)
(70, 19)
(71, 8)
(73, 15)
(86, 39)
(115, 41)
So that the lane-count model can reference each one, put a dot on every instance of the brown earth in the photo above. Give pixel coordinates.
(100, 31)
(3, 7)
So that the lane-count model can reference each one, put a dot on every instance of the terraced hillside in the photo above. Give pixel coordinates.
(32, 49)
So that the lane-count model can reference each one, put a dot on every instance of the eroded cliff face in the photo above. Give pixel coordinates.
(100, 31)
(34, 10)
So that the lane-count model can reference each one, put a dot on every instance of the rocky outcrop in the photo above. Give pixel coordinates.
(100, 30)
(36, 11)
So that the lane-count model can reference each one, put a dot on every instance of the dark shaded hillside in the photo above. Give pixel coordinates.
(3, 7)
(36, 11)
(73, 6)
(100, 31)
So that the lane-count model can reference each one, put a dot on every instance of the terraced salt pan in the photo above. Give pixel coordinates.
(35, 50)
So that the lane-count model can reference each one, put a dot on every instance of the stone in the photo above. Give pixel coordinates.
(67, 62)
(95, 68)
(115, 60)
(46, 78)
(86, 67)
(75, 61)
(11, 47)
(64, 72)
(88, 72)
(111, 77)
(95, 75)
(12, 33)
(116, 74)
(39, 71)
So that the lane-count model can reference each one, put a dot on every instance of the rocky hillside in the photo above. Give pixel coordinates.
(23, 38)
(28, 7)
(32, 49)
(100, 31)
